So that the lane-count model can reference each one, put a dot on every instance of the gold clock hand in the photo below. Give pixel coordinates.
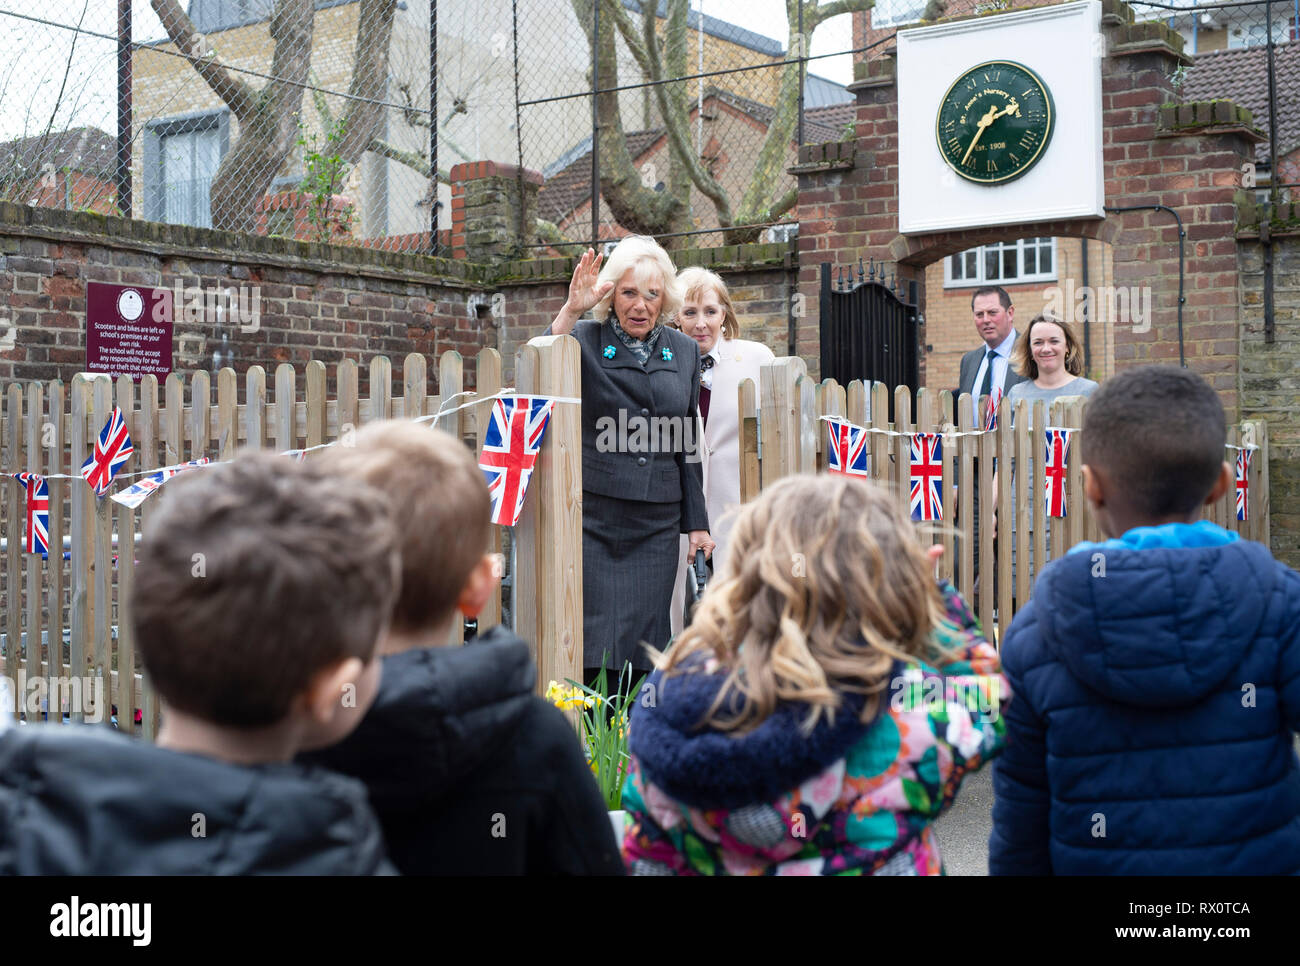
(984, 122)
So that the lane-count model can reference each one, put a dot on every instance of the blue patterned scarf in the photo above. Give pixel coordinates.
(641, 348)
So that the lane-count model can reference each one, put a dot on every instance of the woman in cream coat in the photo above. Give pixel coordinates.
(707, 316)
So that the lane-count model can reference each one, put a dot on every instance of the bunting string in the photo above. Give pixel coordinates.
(503, 394)
(972, 432)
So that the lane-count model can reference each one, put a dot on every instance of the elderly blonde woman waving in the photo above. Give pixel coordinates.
(642, 484)
(709, 318)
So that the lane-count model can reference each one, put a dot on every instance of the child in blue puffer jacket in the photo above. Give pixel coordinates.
(801, 725)
(1157, 674)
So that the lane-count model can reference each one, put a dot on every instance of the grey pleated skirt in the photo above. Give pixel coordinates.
(629, 565)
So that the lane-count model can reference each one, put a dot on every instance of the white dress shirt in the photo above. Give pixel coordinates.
(1001, 359)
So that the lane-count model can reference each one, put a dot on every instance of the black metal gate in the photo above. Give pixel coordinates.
(869, 329)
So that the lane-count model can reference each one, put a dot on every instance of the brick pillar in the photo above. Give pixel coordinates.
(848, 197)
(1187, 157)
(287, 214)
(486, 208)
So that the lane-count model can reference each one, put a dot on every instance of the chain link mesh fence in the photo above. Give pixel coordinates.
(1233, 59)
(312, 119)
(303, 119)
(698, 116)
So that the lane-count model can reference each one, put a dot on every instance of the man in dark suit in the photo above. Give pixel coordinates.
(987, 368)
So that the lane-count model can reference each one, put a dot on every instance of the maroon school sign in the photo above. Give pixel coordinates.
(128, 330)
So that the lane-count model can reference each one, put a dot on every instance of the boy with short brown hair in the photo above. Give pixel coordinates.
(469, 771)
(261, 588)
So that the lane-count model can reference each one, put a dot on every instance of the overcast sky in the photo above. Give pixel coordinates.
(34, 56)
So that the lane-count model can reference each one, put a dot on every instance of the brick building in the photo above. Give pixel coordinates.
(74, 170)
(1231, 66)
(185, 129)
(733, 130)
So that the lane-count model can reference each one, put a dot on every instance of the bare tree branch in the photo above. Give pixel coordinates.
(412, 159)
(235, 93)
(771, 156)
(676, 119)
(550, 234)
(634, 205)
(369, 77)
(782, 205)
(817, 15)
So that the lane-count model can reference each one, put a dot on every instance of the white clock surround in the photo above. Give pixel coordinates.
(1063, 45)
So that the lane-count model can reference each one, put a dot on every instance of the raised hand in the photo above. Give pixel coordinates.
(585, 289)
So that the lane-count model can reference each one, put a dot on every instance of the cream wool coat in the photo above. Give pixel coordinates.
(738, 360)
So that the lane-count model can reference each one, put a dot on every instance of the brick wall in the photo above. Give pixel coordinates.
(1270, 379)
(1187, 158)
(950, 330)
(317, 302)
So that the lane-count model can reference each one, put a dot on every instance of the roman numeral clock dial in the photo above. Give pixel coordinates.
(995, 122)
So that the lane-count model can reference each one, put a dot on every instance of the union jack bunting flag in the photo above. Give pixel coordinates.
(36, 525)
(927, 476)
(847, 453)
(1243, 484)
(991, 414)
(112, 449)
(139, 491)
(1058, 452)
(510, 452)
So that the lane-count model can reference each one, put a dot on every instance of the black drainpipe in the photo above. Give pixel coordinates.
(1087, 298)
(1182, 235)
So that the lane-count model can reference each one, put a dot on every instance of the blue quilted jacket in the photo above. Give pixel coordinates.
(1157, 683)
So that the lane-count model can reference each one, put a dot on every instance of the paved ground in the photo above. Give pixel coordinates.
(964, 829)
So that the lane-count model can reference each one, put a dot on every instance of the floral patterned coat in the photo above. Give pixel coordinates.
(849, 798)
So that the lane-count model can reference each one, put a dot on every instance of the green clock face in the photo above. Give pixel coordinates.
(995, 121)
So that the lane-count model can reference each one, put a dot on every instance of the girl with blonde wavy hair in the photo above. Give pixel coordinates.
(823, 706)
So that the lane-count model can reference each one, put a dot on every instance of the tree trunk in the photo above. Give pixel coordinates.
(268, 118)
(270, 130)
(635, 206)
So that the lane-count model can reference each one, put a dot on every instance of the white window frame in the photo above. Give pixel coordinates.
(1021, 276)
(782, 233)
(906, 11)
(154, 134)
(1239, 34)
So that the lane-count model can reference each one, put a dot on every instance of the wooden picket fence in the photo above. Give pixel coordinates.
(48, 428)
(782, 419)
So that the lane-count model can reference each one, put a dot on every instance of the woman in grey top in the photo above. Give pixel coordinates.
(1051, 356)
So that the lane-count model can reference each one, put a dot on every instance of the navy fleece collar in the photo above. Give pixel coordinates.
(705, 768)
